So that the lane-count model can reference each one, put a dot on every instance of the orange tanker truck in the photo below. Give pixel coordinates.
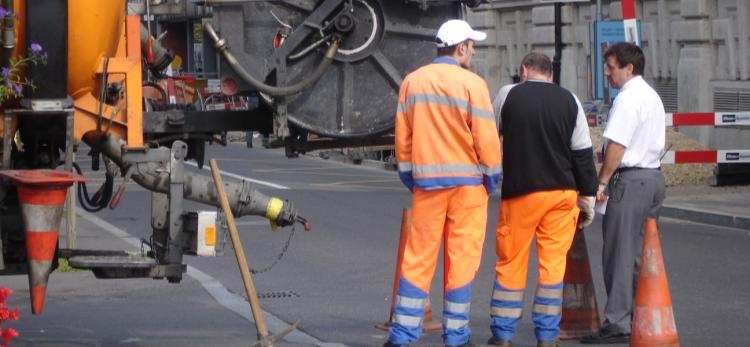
(329, 68)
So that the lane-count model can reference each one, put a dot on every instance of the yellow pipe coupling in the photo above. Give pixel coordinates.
(273, 210)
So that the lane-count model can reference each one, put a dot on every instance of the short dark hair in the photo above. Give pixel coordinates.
(627, 53)
(442, 51)
(450, 50)
(538, 62)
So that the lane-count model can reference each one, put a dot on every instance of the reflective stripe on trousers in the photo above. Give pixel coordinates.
(456, 309)
(505, 311)
(547, 310)
(406, 324)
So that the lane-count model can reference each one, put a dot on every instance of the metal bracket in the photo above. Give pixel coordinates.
(169, 271)
(7, 139)
(38, 107)
(176, 189)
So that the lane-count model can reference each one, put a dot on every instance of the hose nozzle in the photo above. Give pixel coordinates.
(282, 213)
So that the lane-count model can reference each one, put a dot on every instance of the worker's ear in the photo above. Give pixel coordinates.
(462, 49)
(629, 69)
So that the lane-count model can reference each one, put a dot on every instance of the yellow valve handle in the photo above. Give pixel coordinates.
(275, 205)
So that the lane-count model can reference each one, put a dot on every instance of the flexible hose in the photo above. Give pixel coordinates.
(101, 198)
(220, 44)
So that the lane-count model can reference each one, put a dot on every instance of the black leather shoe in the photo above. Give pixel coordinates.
(391, 344)
(605, 335)
(467, 344)
(493, 341)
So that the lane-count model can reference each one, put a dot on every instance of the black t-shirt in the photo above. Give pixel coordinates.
(538, 120)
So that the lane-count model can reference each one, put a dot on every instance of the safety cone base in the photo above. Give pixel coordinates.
(426, 327)
(44, 177)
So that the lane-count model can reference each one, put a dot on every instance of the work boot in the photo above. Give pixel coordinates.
(391, 344)
(547, 343)
(467, 344)
(494, 341)
(607, 334)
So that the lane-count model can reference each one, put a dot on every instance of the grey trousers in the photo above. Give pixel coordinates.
(633, 196)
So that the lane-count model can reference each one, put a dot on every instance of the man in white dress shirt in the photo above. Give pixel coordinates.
(631, 183)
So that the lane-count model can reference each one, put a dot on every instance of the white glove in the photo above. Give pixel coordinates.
(586, 204)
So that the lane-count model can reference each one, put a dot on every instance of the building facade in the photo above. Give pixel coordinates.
(697, 51)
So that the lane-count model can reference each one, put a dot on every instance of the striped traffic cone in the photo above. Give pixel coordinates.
(580, 315)
(653, 317)
(41, 195)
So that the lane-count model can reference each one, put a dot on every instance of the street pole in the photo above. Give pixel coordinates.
(558, 43)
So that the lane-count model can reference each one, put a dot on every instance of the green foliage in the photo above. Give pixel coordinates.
(64, 266)
(12, 81)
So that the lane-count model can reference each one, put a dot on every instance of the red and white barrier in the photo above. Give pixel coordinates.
(707, 157)
(708, 118)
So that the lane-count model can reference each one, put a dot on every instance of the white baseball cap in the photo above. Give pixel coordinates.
(456, 31)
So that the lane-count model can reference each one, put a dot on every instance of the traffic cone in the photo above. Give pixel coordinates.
(653, 318)
(580, 314)
(428, 324)
(41, 196)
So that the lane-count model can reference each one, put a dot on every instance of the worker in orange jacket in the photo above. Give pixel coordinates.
(448, 155)
(549, 179)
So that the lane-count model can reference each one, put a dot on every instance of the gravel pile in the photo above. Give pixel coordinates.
(675, 174)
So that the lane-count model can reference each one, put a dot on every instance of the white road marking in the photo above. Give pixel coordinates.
(240, 177)
(221, 294)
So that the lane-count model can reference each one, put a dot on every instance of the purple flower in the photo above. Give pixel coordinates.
(3, 12)
(17, 88)
(5, 72)
(35, 48)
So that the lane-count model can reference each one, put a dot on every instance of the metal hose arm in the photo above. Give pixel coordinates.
(244, 199)
(221, 45)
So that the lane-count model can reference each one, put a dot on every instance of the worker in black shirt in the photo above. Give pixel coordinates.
(549, 179)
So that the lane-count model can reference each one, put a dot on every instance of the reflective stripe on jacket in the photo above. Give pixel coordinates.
(445, 129)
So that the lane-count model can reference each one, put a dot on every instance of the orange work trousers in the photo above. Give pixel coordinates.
(459, 214)
(551, 216)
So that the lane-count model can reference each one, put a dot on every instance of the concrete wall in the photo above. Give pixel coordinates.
(697, 51)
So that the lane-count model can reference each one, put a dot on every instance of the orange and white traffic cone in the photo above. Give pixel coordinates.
(653, 318)
(428, 324)
(580, 315)
(41, 195)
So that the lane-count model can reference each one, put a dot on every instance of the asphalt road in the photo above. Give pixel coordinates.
(337, 278)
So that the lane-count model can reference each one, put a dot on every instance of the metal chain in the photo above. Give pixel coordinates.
(279, 295)
(223, 223)
(278, 257)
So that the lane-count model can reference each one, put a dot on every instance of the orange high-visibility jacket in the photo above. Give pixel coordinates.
(445, 129)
